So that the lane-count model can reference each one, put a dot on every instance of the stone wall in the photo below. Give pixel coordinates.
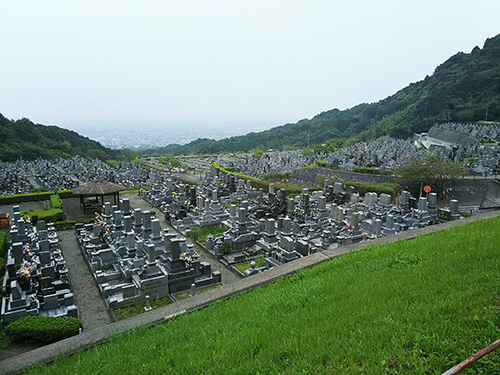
(310, 177)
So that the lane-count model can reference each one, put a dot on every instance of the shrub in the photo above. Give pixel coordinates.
(369, 170)
(4, 239)
(64, 225)
(226, 248)
(44, 329)
(365, 187)
(50, 215)
(66, 194)
(10, 199)
(55, 201)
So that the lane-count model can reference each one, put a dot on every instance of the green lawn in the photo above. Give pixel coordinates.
(138, 308)
(412, 307)
(202, 232)
(259, 261)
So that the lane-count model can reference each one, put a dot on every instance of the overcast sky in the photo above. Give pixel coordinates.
(72, 63)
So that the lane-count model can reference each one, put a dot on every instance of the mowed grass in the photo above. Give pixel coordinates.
(411, 307)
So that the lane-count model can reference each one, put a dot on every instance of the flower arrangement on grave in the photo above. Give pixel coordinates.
(367, 236)
(32, 234)
(299, 211)
(414, 212)
(187, 258)
(25, 271)
(103, 224)
(27, 249)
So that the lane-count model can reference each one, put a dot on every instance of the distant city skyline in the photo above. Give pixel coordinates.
(220, 67)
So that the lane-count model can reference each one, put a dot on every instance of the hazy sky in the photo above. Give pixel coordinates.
(269, 62)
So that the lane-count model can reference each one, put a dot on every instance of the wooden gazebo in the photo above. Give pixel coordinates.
(92, 195)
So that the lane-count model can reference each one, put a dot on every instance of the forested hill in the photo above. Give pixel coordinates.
(463, 89)
(24, 139)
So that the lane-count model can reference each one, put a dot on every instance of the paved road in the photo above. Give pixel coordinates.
(91, 307)
(227, 275)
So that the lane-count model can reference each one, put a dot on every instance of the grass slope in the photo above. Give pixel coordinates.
(411, 307)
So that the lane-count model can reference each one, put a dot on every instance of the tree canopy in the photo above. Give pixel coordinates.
(431, 170)
(24, 139)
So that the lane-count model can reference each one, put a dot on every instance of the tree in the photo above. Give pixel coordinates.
(431, 170)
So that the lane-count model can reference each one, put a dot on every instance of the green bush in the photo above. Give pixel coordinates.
(55, 201)
(365, 187)
(50, 215)
(257, 183)
(225, 171)
(226, 248)
(4, 239)
(66, 194)
(11, 199)
(44, 329)
(65, 225)
(369, 170)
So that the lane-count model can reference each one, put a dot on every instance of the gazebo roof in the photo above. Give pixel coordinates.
(98, 187)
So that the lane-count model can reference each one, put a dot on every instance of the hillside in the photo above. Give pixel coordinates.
(462, 89)
(409, 307)
(24, 139)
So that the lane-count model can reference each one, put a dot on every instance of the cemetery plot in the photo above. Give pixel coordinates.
(36, 281)
(282, 229)
(131, 257)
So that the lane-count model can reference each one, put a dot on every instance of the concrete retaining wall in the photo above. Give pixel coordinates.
(309, 176)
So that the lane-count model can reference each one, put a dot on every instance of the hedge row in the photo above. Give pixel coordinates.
(226, 171)
(366, 187)
(4, 240)
(369, 170)
(19, 198)
(50, 215)
(30, 197)
(258, 183)
(55, 201)
(67, 224)
(44, 329)
(66, 194)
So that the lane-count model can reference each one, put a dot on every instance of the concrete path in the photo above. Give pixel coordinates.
(228, 276)
(91, 307)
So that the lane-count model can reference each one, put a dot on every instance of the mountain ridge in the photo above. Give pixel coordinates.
(464, 88)
(461, 89)
(27, 140)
